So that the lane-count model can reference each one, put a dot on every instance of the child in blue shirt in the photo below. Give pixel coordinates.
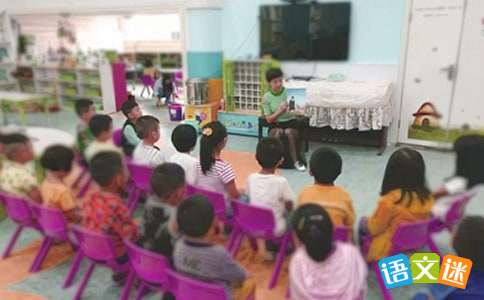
(468, 243)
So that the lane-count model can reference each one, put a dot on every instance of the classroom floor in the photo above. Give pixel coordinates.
(362, 175)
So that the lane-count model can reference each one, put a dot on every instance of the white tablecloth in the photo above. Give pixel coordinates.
(347, 105)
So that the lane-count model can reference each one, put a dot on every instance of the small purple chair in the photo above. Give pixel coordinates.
(18, 209)
(148, 82)
(99, 249)
(55, 228)
(408, 237)
(453, 216)
(342, 234)
(150, 268)
(141, 183)
(186, 288)
(217, 200)
(118, 137)
(256, 222)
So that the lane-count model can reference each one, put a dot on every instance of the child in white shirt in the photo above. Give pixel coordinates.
(101, 127)
(146, 153)
(271, 191)
(184, 139)
(469, 175)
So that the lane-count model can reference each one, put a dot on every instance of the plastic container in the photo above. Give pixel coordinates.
(176, 112)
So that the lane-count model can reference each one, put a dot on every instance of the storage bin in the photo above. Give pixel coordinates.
(175, 111)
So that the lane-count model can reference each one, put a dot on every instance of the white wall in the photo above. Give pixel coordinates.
(98, 6)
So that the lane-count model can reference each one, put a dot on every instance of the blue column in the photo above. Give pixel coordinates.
(204, 45)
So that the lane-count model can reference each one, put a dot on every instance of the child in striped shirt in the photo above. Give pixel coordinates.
(215, 174)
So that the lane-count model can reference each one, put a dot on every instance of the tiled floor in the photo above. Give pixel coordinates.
(362, 176)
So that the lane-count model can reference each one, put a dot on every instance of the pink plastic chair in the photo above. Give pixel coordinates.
(18, 210)
(217, 200)
(256, 222)
(408, 237)
(150, 268)
(118, 137)
(141, 184)
(186, 288)
(55, 228)
(99, 249)
(148, 82)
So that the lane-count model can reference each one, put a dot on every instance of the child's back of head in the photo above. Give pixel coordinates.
(405, 171)
(470, 159)
(57, 159)
(469, 240)
(184, 138)
(195, 216)
(148, 129)
(325, 165)
(168, 183)
(269, 153)
(85, 109)
(101, 127)
(107, 170)
(314, 229)
(131, 110)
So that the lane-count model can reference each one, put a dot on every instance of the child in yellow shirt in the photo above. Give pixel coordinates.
(325, 166)
(405, 198)
(57, 161)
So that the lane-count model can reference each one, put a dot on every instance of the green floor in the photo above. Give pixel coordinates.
(362, 175)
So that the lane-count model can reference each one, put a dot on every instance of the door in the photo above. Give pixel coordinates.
(468, 104)
(430, 69)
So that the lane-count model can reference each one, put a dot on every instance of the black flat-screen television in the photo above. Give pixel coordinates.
(315, 31)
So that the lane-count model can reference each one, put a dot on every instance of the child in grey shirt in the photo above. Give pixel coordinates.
(195, 256)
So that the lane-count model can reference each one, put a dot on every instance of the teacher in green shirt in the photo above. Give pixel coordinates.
(277, 113)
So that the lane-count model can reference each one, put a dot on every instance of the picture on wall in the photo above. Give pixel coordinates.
(428, 124)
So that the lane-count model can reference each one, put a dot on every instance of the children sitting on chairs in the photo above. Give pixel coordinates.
(146, 153)
(194, 254)
(159, 229)
(57, 162)
(104, 210)
(271, 191)
(184, 139)
(325, 166)
(130, 139)
(215, 174)
(101, 127)
(18, 176)
(85, 110)
(405, 198)
(322, 268)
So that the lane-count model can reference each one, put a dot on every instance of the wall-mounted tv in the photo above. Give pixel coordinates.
(315, 31)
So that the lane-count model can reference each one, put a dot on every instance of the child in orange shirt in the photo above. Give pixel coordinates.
(57, 161)
(405, 198)
(325, 166)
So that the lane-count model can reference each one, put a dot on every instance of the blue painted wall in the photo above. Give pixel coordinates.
(204, 46)
(204, 64)
(375, 29)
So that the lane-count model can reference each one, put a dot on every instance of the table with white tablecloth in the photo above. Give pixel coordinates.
(347, 105)
(344, 106)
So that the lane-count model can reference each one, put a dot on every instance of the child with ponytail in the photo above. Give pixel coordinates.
(321, 268)
(215, 174)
